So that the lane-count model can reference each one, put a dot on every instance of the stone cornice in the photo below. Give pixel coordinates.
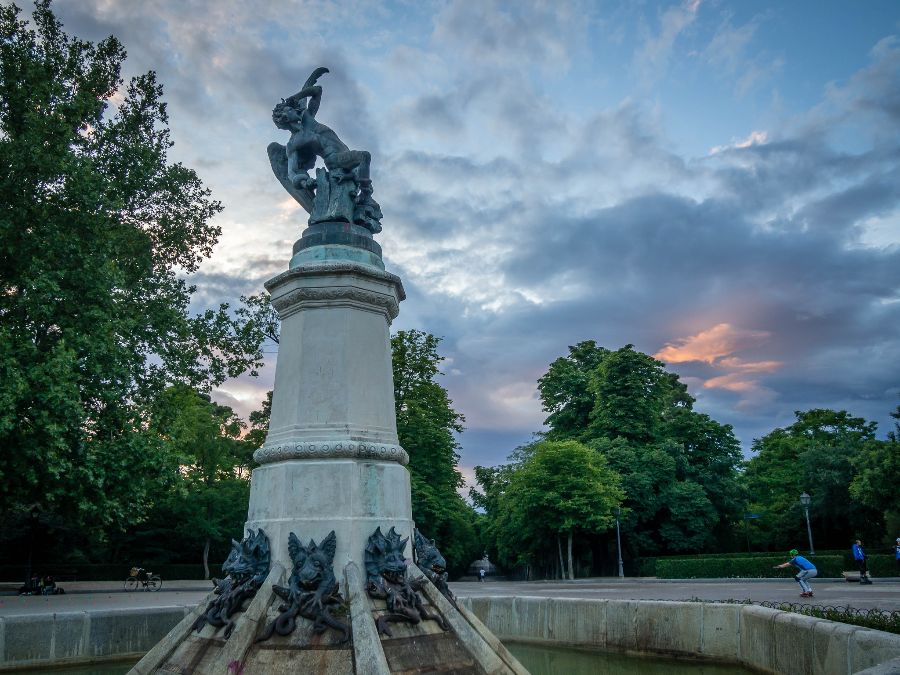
(334, 296)
(339, 449)
(337, 267)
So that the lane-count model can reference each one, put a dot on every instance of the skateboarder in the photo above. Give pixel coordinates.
(806, 570)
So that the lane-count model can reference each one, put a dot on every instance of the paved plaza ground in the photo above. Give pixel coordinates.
(883, 594)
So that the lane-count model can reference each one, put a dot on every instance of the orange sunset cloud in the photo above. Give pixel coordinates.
(710, 345)
(717, 346)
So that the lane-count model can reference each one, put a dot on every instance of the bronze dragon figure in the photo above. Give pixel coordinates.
(246, 568)
(433, 565)
(386, 579)
(312, 590)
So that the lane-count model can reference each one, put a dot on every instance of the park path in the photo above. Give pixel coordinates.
(882, 594)
(101, 595)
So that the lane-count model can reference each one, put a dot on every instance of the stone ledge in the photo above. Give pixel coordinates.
(68, 638)
(109, 634)
(333, 268)
(342, 449)
(725, 633)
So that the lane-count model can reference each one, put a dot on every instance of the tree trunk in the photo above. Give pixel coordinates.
(571, 564)
(562, 564)
(206, 559)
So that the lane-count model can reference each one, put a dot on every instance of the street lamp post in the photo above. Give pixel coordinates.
(805, 499)
(619, 542)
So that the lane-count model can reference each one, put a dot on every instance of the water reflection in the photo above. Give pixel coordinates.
(110, 668)
(545, 660)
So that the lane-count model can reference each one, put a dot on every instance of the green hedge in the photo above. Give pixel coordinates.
(647, 567)
(756, 567)
(753, 565)
(756, 554)
(16, 573)
(881, 566)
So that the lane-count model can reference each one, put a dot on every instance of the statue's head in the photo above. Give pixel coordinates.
(312, 563)
(249, 558)
(428, 556)
(285, 114)
(384, 556)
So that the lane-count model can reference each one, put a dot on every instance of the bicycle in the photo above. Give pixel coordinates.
(141, 577)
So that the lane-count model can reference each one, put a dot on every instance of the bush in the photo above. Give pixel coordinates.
(647, 567)
(880, 566)
(741, 567)
(755, 554)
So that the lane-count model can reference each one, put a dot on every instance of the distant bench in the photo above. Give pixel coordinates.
(852, 575)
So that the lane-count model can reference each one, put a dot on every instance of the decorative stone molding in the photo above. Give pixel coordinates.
(332, 295)
(340, 449)
(337, 267)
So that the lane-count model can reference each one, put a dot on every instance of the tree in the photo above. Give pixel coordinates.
(877, 471)
(565, 390)
(561, 489)
(96, 225)
(634, 396)
(259, 423)
(205, 437)
(816, 454)
(678, 466)
(261, 319)
(426, 424)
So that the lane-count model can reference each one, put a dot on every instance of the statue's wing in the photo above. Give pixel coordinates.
(278, 160)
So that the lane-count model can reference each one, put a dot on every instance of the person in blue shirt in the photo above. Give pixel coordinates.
(859, 555)
(806, 570)
(897, 554)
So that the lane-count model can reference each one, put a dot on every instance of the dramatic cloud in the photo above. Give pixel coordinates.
(680, 177)
(711, 345)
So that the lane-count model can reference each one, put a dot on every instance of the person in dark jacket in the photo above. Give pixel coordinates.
(859, 555)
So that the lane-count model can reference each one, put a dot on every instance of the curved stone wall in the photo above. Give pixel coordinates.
(82, 637)
(760, 638)
(764, 639)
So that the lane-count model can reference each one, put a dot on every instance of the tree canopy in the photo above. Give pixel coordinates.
(426, 424)
(562, 488)
(818, 454)
(97, 230)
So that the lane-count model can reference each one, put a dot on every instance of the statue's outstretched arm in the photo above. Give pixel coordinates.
(313, 93)
(310, 91)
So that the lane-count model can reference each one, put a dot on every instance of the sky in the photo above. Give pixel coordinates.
(714, 182)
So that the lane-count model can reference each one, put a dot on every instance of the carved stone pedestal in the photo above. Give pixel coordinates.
(332, 460)
(331, 470)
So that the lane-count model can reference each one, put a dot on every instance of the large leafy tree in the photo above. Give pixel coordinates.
(566, 393)
(96, 228)
(877, 472)
(679, 467)
(816, 454)
(426, 424)
(208, 502)
(634, 397)
(560, 490)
